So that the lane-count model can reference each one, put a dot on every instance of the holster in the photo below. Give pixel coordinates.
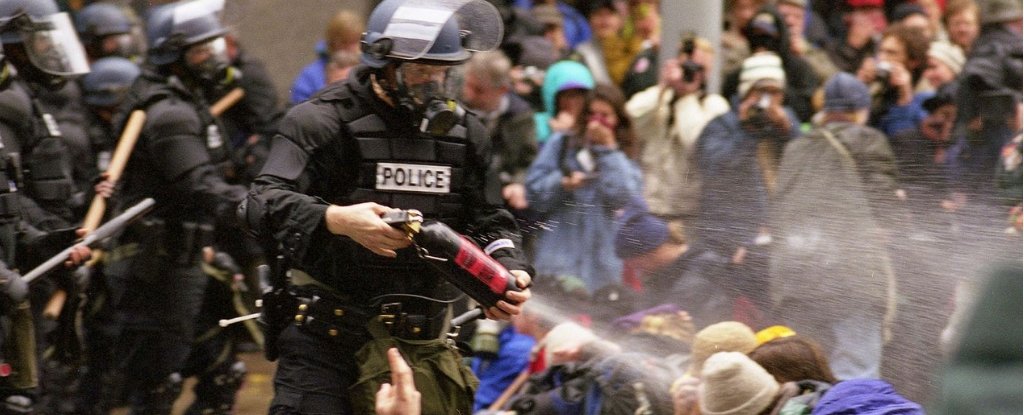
(278, 311)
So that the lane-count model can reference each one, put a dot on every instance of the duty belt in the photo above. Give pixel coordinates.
(324, 312)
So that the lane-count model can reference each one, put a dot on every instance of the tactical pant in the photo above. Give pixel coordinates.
(159, 314)
(341, 375)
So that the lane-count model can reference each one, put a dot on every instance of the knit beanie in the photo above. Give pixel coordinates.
(727, 336)
(844, 92)
(949, 54)
(733, 384)
(761, 67)
(640, 231)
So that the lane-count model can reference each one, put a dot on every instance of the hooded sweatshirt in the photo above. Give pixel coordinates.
(562, 76)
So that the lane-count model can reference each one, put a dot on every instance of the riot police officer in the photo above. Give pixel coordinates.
(156, 264)
(104, 89)
(18, 352)
(389, 137)
(108, 30)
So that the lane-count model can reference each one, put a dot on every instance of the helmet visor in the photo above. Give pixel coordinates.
(416, 24)
(52, 45)
(199, 19)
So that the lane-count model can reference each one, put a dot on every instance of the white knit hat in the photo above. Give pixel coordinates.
(949, 54)
(761, 67)
(733, 384)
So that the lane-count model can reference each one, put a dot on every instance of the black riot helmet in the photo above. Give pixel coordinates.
(418, 41)
(107, 30)
(40, 42)
(108, 82)
(190, 33)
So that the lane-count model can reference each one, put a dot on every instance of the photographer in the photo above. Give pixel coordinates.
(740, 150)
(668, 118)
(891, 76)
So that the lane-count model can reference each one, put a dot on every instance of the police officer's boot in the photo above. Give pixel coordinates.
(160, 399)
(215, 392)
(17, 405)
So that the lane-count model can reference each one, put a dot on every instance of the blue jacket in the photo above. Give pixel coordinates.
(734, 199)
(312, 77)
(902, 118)
(497, 374)
(578, 228)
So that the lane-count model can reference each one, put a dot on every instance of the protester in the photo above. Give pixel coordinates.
(945, 62)
(865, 396)
(796, 15)
(864, 21)
(766, 32)
(508, 119)
(831, 276)
(564, 92)
(737, 14)
(609, 53)
(669, 118)
(741, 150)
(892, 76)
(962, 23)
(342, 33)
(576, 184)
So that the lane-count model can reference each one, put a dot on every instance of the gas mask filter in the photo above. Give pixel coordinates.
(426, 91)
(209, 62)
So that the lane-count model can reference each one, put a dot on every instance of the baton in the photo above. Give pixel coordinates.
(101, 233)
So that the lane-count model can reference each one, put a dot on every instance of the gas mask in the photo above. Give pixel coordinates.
(209, 62)
(426, 91)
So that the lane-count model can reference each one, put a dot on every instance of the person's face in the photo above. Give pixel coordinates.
(424, 81)
(605, 23)
(892, 50)
(208, 58)
(603, 113)
(793, 15)
(937, 73)
(572, 101)
(741, 13)
(963, 28)
(919, 22)
(873, 17)
(556, 35)
(481, 95)
(938, 126)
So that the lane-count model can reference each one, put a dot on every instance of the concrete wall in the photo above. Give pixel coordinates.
(283, 33)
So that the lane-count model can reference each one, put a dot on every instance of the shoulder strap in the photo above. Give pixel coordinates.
(839, 146)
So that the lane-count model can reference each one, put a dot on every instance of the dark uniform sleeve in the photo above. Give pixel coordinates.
(490, 225)
(277, 207)
(177, 144)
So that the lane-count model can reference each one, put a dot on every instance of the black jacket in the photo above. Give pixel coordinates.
(314, 161)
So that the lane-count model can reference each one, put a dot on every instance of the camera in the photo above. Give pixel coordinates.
(759, 109)
(883, 71)
(689, 67)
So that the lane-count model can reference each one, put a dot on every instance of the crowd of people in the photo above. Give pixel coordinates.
(808, 240)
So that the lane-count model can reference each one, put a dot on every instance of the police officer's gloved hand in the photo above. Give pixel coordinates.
(12, 286)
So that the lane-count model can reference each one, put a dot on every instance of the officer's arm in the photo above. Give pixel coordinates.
(277, 207)
(179, 149)
(493, 227)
